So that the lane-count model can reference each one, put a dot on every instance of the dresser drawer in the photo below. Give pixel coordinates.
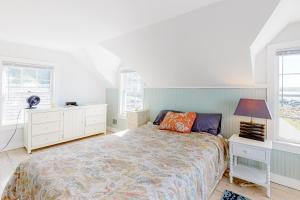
(99, 110)
(41, 140)
(249, 152)
(49, 127)
(95, 119)
(46, 117)
(95, 128)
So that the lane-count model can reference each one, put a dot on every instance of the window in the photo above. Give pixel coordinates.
(131, 92)
(289, 96)
(19, 81)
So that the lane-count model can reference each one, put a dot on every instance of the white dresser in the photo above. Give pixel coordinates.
(44, 127)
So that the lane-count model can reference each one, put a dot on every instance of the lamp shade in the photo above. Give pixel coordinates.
(253, 108)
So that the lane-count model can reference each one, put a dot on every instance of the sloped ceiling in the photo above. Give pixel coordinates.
(287, 12)
(73, 24)
(171, 43)
(209, 46)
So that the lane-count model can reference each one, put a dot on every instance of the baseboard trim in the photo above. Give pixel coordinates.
(12, 148)
(286, 181)
(112, 129)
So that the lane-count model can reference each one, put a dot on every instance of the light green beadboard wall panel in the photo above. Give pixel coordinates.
(201, 100)
(188, 99)
(112, 100)
(285, 164)
(207, 100)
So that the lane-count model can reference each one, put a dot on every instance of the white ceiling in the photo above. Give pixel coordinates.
(69, 24)
(196, 42)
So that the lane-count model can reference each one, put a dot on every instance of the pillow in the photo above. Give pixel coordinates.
(161, 115)
(209, 123)
(180, 122)
(205, 122)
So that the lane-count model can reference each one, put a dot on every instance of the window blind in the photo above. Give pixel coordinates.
(284, 52)
(21, 80)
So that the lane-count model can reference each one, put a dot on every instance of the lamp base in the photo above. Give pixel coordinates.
(252, 130)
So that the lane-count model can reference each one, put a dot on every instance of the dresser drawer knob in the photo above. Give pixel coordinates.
(245, 152)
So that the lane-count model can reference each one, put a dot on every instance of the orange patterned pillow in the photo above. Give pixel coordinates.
(180, 122)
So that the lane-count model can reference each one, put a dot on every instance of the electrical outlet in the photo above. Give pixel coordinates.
(115, 121)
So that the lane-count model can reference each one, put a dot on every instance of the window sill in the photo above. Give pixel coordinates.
(286, 146)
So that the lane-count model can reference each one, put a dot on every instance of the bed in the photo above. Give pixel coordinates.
(144, 163)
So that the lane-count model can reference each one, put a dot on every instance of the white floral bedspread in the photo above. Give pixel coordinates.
(145, 163)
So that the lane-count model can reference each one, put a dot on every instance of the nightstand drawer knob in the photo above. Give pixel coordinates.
(245, 152)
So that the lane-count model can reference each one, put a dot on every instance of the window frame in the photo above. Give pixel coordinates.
(279, 143)
(31, 64)
(122, 115)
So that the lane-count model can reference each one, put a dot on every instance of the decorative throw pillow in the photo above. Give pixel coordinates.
(161, 115)
(180, 122)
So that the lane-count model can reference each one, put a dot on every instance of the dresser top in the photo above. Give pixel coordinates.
(236, 139)
(62, 108)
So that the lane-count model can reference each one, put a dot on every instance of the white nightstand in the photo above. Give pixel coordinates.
(254, 150)
(137, 118)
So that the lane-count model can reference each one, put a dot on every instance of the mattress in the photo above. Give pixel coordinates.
(144, 163)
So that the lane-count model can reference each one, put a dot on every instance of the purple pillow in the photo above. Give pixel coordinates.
(209, 123)
(204, 122)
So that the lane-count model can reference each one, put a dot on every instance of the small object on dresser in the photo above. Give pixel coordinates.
(71, 103)
(253, 108)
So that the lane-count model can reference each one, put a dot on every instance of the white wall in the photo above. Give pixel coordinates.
(102, 62)
(209, 46)
(73, 80)
(290, 33)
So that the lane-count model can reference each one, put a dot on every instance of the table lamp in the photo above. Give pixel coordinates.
(256, 108)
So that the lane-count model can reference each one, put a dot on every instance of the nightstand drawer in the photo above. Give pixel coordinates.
(249, 152)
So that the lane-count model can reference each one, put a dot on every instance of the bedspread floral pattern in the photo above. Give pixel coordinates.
(145, 163)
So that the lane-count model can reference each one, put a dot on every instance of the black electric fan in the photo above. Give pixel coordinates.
(33, 101)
